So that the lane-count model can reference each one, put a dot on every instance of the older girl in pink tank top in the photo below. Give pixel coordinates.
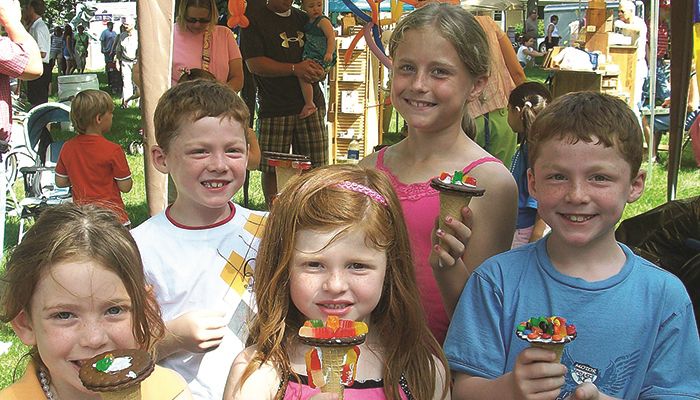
(440, 62)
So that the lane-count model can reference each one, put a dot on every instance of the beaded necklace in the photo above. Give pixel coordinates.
(44, 380)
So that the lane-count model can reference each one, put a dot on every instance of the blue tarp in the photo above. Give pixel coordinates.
(339, 6)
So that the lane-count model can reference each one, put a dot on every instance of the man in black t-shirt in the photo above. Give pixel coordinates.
(272, 46)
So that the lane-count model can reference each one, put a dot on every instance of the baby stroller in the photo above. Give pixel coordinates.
(669, 236)
(40, 151)
(114, 77)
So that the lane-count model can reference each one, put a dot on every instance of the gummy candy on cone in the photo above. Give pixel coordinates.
(336, 341)
(456, 191)
(549, 333)
(333, 359)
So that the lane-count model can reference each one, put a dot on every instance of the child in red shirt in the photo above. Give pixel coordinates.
(95, 167)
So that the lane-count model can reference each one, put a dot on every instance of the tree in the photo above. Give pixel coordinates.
(58, 12)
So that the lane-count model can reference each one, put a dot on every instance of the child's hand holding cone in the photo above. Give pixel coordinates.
(448, 248)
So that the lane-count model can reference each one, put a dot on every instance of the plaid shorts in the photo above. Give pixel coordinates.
(307, 136)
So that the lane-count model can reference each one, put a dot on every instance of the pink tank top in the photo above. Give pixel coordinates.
(360, 390)
(421, 205)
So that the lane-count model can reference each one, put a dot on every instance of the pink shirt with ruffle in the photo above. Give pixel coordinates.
(421, 206)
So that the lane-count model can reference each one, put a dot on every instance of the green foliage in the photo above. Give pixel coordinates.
(58, 12)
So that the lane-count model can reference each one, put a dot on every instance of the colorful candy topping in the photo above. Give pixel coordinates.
(319, 374)
(109, 364)
(458, 178)
(334, 328)
(546, 330)
(103, 364)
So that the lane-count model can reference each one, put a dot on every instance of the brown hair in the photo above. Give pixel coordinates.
(80, 232)
(208, 4)
(39, 7)
(591, 117)
(313, 201)
(191, 74)
(86, 106)
(192, 101)
(531, 98)
(461, 29)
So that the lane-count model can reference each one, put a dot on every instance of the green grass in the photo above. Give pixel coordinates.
(125, 130)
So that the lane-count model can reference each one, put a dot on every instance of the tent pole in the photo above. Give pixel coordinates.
(653, 45)
(681, 57)
(155, 20)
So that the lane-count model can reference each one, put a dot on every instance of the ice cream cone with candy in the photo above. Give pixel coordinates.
(117, 374)
(286, 166)
(456, 191)
(550, 333)
(331, 364)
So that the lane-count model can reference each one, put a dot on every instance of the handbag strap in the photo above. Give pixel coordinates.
(206, 46)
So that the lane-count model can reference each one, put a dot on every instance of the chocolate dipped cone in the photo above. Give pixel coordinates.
(117, 374)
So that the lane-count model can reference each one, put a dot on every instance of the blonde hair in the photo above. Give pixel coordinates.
(191, 101)
(86, 106)
(591, 117)
(315, 201)
(461, 29)
(207, 4)
(80, 232)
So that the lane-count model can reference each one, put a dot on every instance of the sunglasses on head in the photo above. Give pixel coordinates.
(200, 20)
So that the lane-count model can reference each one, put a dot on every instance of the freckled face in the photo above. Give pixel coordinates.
(343, 278)
(582, 190)
(78, 310)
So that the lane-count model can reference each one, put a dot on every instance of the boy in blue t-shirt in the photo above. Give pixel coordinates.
(637, 336)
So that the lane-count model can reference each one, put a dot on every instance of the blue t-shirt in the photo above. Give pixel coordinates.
(637, 336)
(527, 205)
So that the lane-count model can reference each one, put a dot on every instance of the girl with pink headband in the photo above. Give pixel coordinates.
(335, 244)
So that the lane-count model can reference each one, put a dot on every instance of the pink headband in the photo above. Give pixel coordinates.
(359, 188)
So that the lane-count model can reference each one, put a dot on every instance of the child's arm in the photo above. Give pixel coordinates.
(234, 80)
(121, 171)
(492, 227)
(62, 181)
(253, 150)
(307, 70)
(534, 376)
(441, 379)
(194, 332)
(538, 229)
(261, 384)
(327, 29)
(124, 185)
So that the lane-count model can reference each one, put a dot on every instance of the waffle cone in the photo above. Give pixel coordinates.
(284, 174)
(451, 204)
(332, 359)
(131, 393)
(558, 348)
